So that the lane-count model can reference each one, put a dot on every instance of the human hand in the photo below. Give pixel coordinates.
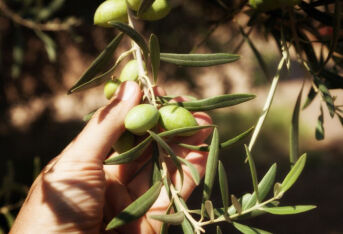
(76, 193)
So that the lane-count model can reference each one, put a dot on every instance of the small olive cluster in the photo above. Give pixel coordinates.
(144, 117)
(116, 10)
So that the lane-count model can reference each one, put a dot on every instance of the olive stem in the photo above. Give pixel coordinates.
(142, 74)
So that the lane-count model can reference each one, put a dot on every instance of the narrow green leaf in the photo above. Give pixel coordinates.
(293, 174)
(209, 209)
(263, 187)
(88, 116)
(169, 151)
(154, 55)
(9, 218)
(288, 210)
(133, 35)
(145, 4)
(215, 102)
(222, 145)
(249, 230)
(17, 53)
(294, 130)
(328, 99)
(252, 172)
(174, 219)
(235, 139)
(183, 130)
(211, 166)
(156, 172)
(320, 133)
(224, 188)
(194, 172)
(219, 231)
(129, 155)
(245, 199)
(257, 54)
(199, 60)
(164, 226)
(97, 66)
(236, 204)
(137, 208)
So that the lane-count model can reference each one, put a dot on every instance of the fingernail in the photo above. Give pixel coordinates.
(127, 91)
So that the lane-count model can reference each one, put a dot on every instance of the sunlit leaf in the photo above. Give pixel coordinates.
(209, 209)
(215, 102)
(236, 204)
(194, 172)
(169, 151)
(89, 79)
(327, 98)
(137, 208)
(211, 166)
(224, 187)
(179, 131)
(154, 55)
(293, 174)
(288, 210)
(264, 186)
(249, 230)
(199, 60)
(129, 155)
(133, 35)
(174, 219)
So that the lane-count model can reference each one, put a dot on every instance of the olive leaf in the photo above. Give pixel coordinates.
(209, 209)
(319, 132)
(88, 78)
(222, 145)
(154, 55)
(218, 230)
(194, 172)
(169, 151)
(88, 116)
(133, 34)
(310, 97)
(249, 230)
(235, 204)
(183, 130)
(129, 155)
(156, 173)
(263, 187)
(211, 167)
(327, 98)
(293, 174)
(174, 219)
(214, 102)
(199, 60)
(185, 225)
(137, 208)
(294, 130)
(224, 189)
(288, 210)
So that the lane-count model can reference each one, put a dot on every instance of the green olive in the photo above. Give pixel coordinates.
(110, 88)
(174, 117)
(268, 5)
(141, 118)
(111, 10)
(130, 71)
(125, 142)
(158, 10)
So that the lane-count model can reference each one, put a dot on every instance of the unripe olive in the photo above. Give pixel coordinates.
(110, 88)
(158, 10)
(141, 118)
(174, 117)
(111, 10)
(130, 71)
(125, 142)
(268, 5)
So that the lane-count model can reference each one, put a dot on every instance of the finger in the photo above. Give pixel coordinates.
(107, 124)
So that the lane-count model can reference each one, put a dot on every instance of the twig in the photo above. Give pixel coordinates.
(34, 25)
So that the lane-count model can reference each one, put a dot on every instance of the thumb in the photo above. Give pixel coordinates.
(95, 140)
